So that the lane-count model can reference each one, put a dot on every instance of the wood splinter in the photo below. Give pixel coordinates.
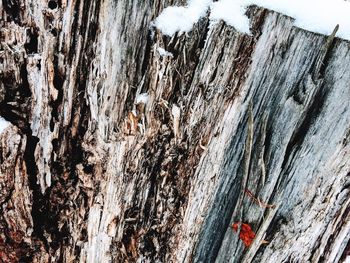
(176, 112)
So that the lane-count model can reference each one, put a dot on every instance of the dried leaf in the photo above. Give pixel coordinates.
(247, 235)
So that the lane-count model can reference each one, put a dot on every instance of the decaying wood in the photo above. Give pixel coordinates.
(88, 174)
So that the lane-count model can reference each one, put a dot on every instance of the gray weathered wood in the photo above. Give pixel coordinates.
(88, 174)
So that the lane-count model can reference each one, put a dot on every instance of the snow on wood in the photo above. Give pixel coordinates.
(162, 52)
(3, 124)
(181, 18)
(142, 98)
(313, 15)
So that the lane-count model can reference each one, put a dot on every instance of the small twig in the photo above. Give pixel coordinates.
(257, 200)
(324, 53)
(262, 155)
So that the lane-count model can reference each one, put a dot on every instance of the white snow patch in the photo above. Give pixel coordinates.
(3, 124)
(175, 111)
(163, 53)
(142, 98)
(320, 16)
(232, 12)
(181, 18)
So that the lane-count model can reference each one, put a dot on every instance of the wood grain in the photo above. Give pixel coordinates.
(90, 175)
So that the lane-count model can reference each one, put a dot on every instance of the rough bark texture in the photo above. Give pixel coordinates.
(90, 175)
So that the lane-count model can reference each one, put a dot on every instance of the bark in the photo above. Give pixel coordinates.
(232, 122)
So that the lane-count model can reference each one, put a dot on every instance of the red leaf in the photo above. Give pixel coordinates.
(247, 235)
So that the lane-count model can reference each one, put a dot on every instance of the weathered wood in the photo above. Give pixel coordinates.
(91, 174)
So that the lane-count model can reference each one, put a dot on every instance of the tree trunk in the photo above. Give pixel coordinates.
(228, 128)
